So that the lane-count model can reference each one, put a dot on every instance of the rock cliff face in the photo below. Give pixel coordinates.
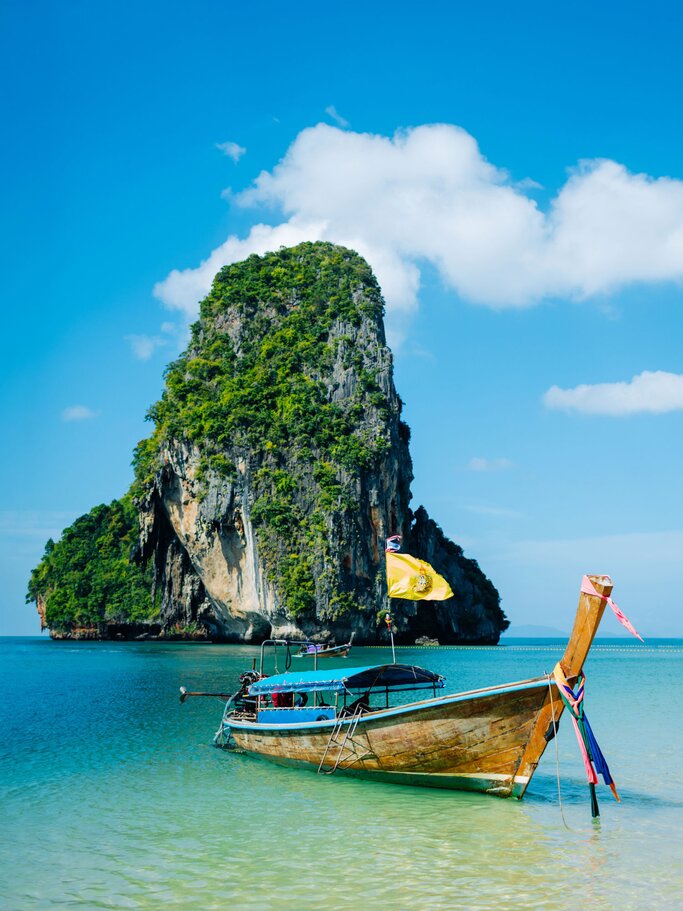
(279, 464)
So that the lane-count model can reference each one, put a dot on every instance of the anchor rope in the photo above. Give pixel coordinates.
(557, 752)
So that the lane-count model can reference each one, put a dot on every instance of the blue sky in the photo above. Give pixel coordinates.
(514, 174)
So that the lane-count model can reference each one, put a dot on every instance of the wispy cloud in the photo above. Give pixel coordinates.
(415, 350)
(653, 392)
(479, 463)
(428, 195)
(79, 413)
(528, 183)
(231, 149)
(144, 346)
(333, 114)
(649, 550)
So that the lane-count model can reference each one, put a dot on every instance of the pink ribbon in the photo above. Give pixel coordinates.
(588, 765)
(588, 588)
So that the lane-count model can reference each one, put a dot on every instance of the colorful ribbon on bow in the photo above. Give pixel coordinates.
(593, 759)
(588, 588)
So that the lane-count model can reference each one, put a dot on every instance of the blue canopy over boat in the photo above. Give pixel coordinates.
(382, 676)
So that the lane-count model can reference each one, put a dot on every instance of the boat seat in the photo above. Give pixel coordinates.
(362, 705)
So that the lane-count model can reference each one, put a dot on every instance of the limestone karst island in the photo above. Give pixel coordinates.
(277, 467)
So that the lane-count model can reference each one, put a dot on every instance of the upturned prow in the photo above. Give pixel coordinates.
(586, 622)
(588, 616)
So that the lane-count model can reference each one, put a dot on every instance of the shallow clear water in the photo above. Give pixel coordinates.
(112, 795)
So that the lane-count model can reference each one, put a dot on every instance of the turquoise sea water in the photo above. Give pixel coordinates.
(112, 795)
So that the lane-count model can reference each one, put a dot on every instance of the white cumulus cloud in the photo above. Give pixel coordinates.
(653, 392)
(182, 289)
(79, 413)
(428, 196)
(231, 149)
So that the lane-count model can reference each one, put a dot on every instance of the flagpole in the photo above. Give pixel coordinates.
(387, 619)
(392, 546)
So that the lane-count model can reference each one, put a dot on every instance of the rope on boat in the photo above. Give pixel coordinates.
(593, 759)
(557, 752)
(222, 736)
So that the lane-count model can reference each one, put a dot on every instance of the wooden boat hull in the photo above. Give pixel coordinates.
(487, 740)
(471, 742)
(341, 651)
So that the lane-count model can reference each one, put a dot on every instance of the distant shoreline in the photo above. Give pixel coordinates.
(505, 640)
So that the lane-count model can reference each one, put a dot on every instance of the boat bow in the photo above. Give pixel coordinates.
(589, 613)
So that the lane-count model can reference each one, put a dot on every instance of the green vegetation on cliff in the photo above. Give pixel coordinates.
(255, 383)
(262, 391)
(277, 455)
(87, 580)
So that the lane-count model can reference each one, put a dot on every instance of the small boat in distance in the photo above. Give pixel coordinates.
(346, 720)
(426, 642)
(314, 649)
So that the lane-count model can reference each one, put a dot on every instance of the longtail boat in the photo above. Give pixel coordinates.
(309, 649)
(488, 740)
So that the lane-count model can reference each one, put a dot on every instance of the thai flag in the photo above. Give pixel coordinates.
(393, 544)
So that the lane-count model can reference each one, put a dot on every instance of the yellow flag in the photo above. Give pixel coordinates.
(415, 580)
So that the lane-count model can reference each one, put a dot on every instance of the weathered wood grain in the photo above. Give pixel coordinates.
(484, 736)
